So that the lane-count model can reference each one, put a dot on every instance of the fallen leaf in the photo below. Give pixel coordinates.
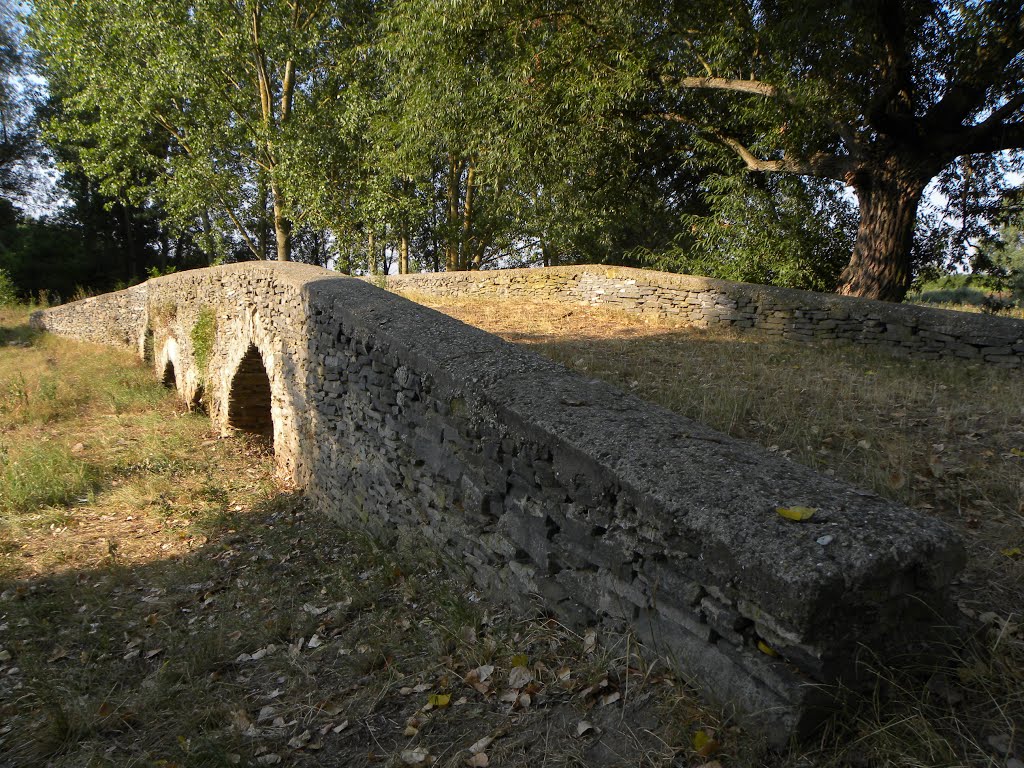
(610, 698)
(340, 728)
(798, 514)
(440, 700)
(418, 756)
(478, 760)
(269, 759)
(484, 672)
(298, 742)
(481, 745)
(589, 640)
(519, 677)
(1012, 552)
(766, 649)
(704, 743)
(583, 727)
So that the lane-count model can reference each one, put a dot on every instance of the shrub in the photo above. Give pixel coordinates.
(8, 294)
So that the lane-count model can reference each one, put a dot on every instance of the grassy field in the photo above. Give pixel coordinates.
(164, 602)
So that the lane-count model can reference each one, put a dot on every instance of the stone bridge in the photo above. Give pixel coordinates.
(553, 491)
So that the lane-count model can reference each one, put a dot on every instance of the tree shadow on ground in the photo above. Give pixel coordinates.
(291, 636)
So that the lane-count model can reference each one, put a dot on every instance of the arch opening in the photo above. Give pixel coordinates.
(249, 401)
(169, 379)
(198, 402)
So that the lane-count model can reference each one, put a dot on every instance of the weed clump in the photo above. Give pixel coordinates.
(203, 335)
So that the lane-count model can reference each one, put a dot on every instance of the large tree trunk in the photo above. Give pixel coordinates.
(880, 266)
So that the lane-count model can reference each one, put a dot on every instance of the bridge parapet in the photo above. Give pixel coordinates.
(924, 333)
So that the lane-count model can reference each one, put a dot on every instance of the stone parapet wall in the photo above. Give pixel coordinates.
(913, 331)
(547, 485)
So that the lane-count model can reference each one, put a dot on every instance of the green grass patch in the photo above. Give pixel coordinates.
(45, 474)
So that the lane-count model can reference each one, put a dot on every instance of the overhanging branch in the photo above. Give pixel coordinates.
(755, 87)
(820, 164)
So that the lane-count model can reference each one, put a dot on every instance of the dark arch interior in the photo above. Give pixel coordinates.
(198, 403)
(249, 399)
(169, 380)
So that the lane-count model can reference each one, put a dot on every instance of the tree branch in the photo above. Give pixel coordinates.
(981, 140)
(755, 87)
(820, 164)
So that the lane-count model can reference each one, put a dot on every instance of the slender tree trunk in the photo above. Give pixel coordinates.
(371, 246)
(209, 240)
(263, 233)
(880, 266)
(467, 260)
(129, 239)
(403, 251)
(165, 250)
(451, 251)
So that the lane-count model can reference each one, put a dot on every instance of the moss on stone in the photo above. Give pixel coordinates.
(203, 334)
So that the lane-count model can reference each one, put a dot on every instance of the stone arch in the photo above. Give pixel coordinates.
(250, 400)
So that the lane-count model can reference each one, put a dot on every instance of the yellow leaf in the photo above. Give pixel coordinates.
(704, 743)
(1012, 552)
(440, 700)
(1017, 452)
(799, 514)
(520, 660)
(766, 649)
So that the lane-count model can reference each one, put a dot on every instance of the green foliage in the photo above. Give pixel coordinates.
(8, 293)
(772, 230)
(203, 336)
(477, 133)
(155, 271)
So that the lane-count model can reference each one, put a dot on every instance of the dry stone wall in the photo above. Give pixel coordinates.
(912, 331)
(550, 487)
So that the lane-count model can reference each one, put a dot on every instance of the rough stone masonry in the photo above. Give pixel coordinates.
(924, 333)
(555, 491)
